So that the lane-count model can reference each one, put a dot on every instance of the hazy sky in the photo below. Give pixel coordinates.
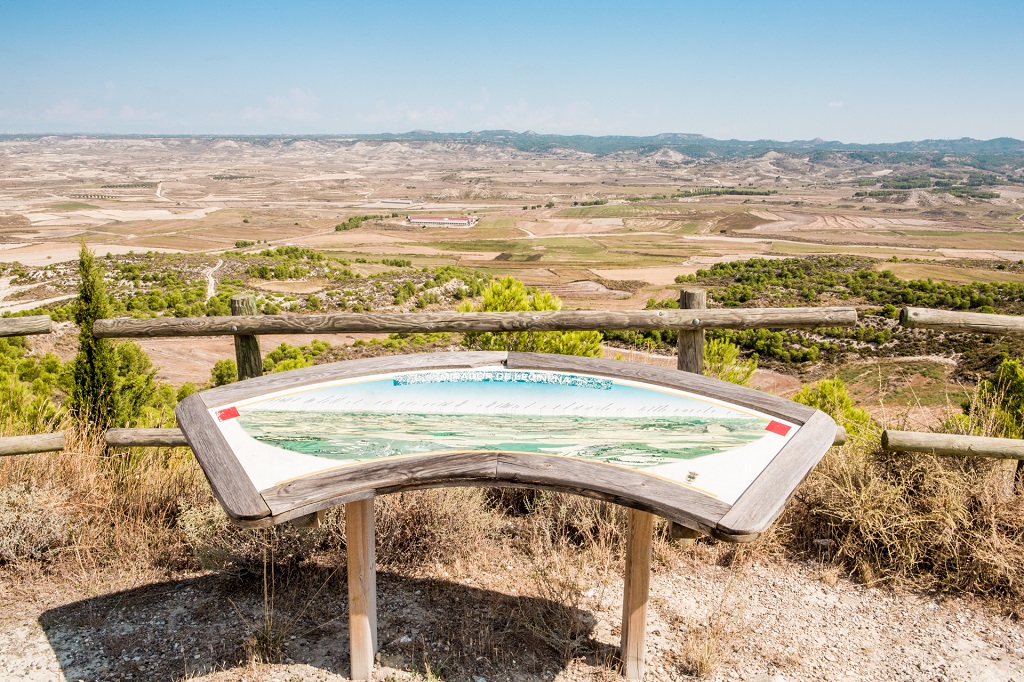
(862, 71)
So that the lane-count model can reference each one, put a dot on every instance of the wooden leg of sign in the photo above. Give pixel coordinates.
(362, 587)
(639, 537)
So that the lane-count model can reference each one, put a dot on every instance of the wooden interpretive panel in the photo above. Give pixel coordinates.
(706, 454)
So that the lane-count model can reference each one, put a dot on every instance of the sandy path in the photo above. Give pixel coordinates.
(779, 622)
(29, 305)
(211, 283)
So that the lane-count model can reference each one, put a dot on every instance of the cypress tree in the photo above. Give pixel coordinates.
(94, 372)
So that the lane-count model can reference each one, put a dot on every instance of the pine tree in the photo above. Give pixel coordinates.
(94, 369)
(509, 294)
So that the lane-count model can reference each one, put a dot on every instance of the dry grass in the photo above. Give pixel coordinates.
(122, 507)
(430, 527)
(944, 524)
(705, 642)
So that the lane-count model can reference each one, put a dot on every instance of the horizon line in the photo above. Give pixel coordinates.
(815, 140)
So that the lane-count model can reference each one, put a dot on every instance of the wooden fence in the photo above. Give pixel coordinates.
(245, 326)
(690, 321)
(43, 442)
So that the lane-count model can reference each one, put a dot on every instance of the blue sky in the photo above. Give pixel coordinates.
(853, 71)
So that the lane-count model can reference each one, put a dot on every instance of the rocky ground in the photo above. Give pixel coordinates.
(762, 621)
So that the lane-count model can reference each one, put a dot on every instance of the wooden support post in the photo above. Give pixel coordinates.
(247, 348)
(362, 587)
(690, 348)
(639, 538)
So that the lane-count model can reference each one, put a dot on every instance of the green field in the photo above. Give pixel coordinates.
(70, 206)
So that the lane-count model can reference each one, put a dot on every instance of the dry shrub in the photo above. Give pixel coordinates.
(33, 525)
(121, 505)
(433, 526)
(559, 577)
(214, 543)
(570, 543)
(558, 519)
(940, 523)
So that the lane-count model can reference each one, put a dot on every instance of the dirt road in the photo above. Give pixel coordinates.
(211, 283)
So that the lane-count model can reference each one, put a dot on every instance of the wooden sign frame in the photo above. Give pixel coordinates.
(751, 514)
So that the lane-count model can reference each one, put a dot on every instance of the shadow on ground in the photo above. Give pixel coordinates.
(217, 622)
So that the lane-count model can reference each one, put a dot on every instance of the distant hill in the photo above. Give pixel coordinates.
(700, 146)
(1003, 155)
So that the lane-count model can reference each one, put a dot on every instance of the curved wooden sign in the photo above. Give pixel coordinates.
(707, 454)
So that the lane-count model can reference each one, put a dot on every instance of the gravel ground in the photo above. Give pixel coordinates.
(764, 622)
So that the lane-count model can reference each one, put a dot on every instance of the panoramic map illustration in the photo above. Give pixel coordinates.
(711, 446)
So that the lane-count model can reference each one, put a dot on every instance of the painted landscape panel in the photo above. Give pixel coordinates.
(695, 441)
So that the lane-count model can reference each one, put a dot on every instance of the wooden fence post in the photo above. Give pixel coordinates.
(690, 345)
(362, 587)
(639, 538)
(247, 348)
(690, 349)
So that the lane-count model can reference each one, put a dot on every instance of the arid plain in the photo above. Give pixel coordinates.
(600, 231)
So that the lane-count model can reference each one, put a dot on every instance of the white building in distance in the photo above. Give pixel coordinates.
(441, 221)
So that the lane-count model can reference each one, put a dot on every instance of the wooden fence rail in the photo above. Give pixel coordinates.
(955, 321)
(24, 445)
(129, 438)
(391, 323)
(25, 326)
(949, 444)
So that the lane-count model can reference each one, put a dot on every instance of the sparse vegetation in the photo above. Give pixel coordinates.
(941, 524)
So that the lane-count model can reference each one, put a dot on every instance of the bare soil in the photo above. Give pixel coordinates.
(757, 621)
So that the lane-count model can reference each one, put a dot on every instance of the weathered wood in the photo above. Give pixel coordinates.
(628, 487)
(247, 346)
(128, 438)
(950, 444)
(231, 485)
(362, 587)
(308, 521)
(25, 326)
(760, 504)
(393, 473)
(25, 445)
(956, 321)
(690, 344)
(564, 320)
(637, 580)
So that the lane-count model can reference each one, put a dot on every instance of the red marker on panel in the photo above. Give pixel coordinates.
(773, 426)
(227, 413)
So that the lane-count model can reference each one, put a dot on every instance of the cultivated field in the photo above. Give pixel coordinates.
(123, 567)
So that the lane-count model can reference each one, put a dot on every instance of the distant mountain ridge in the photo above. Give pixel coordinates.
(1003, 153)
(698, 146)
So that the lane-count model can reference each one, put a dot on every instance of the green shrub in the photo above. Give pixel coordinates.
(508, 295)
